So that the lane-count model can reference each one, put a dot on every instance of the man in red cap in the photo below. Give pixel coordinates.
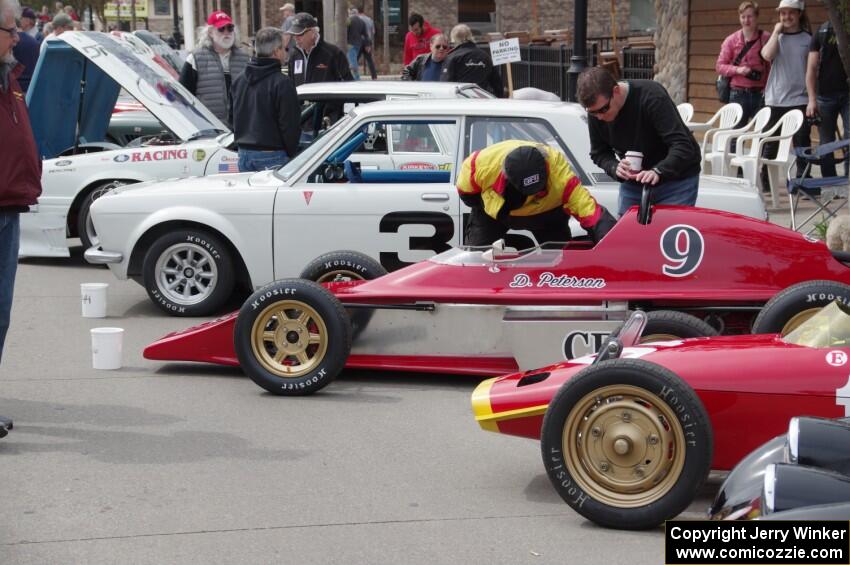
(211, 68)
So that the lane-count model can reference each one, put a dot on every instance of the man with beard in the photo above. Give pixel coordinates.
(266, 116)
(20, 167)
(210, 69)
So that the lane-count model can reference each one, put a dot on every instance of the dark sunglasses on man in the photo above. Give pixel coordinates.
(601, 110)
(441, 47)
(228, 27)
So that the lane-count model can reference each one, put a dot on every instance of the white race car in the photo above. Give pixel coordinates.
(77, 81)
(380, 181)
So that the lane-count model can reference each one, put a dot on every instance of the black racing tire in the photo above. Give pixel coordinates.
(292, 337)
(85, 228)
(796, 304)
(339, 266)
(627, 444)
(188, 272)
(664, 325)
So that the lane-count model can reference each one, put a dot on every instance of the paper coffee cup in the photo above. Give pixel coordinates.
(94, 299)
(635, 159)
(106, 346)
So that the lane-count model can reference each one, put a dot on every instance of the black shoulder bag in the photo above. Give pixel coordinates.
(724, 88)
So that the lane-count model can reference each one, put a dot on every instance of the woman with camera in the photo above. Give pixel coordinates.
(740, 59)
(788, 51)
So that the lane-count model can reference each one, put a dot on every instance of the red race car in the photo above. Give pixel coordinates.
(629, 436)
(493, 311)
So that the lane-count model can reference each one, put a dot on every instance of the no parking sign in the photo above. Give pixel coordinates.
(506, 51)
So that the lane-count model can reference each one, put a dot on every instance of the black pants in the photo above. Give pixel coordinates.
(547, 227)
(367, 55)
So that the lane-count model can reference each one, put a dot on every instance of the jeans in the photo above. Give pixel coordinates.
(251, 160)
(353, 52)
(750, 101)
(829, 108)
(680, 192)
(10, 236)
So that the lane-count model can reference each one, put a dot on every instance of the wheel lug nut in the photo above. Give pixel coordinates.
(596, 432)
(627, 417)
(639, 472)
(653, 440)
(604, 467)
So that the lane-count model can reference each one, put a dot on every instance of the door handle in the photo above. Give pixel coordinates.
(435, 197)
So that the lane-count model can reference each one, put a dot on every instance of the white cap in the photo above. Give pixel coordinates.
(793, 4)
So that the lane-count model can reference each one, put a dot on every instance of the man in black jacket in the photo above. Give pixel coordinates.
(428, 66)
(313, 60)
(467, 63)
(266, 115)
(639, 116)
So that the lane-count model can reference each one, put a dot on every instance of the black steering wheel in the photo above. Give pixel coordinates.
(645, 209)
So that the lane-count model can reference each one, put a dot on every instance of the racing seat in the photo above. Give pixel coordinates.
(828, 194)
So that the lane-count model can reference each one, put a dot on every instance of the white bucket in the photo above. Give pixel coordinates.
(106, 345)
(94, 299)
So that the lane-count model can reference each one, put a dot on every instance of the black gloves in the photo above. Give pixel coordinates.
(603, 225)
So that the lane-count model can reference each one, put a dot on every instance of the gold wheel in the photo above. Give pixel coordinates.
(798, 319)
(342, 275)
(658, 337)
(289, 339)
(624, 446)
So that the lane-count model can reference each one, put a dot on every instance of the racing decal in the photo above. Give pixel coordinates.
(836, 358)
(63, 163)
(444, 231)
(445, 166)
(684, 247)
(159, 155)
(199, 154)
(66, 170)
(417, 166)
(299, 66)
(228, 167)
(826, 297)
(551, 280)
(123, 158)
(308, 195)
(579, 344)
(842, 397)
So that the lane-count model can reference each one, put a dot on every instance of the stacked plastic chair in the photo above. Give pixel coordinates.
(716, 158)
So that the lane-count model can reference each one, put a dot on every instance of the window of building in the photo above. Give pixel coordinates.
(642, 17)
(161, 7)
(479, 15)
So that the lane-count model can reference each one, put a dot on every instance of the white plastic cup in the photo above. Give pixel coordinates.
(106, 346)
(635, 159)
(94, 299)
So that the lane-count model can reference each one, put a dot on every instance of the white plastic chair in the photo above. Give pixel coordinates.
(716, 160)
(727, 118)
(686, 110)
(748, 155)
(715, 121)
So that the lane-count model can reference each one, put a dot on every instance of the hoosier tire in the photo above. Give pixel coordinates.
(292, 337)
(85, 227)
(787, 310)
(340, 266)
(188, 272)
(669, 324)
(627, 444)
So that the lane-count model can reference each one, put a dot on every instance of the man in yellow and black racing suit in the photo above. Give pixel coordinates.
(523, 185)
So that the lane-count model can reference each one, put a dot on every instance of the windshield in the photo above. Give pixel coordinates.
(830, 327)
(481, 257)
(286, 171)
(154, 87)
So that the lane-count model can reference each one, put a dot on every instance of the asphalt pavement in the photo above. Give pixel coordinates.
(185, 463)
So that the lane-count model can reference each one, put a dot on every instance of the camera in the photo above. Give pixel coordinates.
(754, 75)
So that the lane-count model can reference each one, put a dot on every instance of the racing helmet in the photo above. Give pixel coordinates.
(525, 169)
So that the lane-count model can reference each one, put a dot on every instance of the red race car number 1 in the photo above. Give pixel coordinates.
(683, 246)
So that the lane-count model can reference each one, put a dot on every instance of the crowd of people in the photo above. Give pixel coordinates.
(35, 29)
(787, 68)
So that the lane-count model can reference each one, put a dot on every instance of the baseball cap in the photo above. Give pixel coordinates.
(302, 22)
(28, 13)
(793, 4)
(525, 168)
(219, 19)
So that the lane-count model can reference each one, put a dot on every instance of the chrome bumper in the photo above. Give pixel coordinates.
(97, 256)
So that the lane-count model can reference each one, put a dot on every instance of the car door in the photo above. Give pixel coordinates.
(397, 216)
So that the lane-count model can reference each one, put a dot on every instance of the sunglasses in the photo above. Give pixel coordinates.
(10, 30)
(600, 110)
(441, 46)
(228, 27)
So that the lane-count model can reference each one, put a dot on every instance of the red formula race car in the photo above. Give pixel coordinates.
(629, 436)
(494, 311)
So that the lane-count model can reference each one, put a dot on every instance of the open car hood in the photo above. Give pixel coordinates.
(106, 65)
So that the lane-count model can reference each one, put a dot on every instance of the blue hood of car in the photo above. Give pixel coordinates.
(54, 96)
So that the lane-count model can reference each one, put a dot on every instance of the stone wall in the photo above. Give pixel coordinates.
(558, 14)
(671, 47)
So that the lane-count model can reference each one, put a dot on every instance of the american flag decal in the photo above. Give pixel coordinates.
(228, 167)
(308, 194)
